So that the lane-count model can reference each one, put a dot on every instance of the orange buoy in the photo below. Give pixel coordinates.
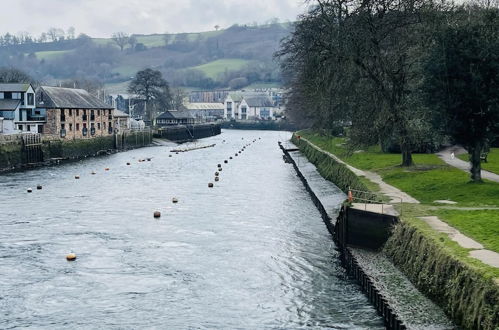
(350, 196)
(71, 257)
(157, 214)
(106, 169)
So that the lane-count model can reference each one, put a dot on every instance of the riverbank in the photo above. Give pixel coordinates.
(445, 271)
(28, 151)
(263, 125)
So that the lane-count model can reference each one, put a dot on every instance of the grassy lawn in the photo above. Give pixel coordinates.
(492, 164)
(49, 55)
(213, 69)
(429, 180)
(481, 225)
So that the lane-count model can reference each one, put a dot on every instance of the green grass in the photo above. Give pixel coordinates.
(429, 180)
(213, 69)
(492, 163)
(481, 225)
(49, 55)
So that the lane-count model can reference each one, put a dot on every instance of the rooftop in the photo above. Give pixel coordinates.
(9, 105)
(67, 98)
(204, 106)
(14, 87)
(175, 114)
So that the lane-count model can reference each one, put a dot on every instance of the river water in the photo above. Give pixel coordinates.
(250, 253)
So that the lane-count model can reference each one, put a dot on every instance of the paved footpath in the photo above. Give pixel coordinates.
(477, 250)
(446, 156)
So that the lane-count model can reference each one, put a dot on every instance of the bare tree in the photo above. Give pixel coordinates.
(132, 41)
(121, 39)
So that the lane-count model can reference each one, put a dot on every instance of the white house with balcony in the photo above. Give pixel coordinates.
(249, 106)
(18, 110)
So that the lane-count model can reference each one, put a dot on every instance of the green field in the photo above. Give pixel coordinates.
(213, 69)
(492, 163)
(48, 55)
(430, 179)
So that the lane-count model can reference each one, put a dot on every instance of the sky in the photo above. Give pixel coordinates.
(101, 18)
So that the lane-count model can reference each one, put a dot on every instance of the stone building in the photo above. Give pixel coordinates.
(74, 113)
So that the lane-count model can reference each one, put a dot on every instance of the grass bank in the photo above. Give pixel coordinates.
(465, 287)
(492, 163)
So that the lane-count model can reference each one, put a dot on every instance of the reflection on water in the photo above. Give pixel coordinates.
(252, 252)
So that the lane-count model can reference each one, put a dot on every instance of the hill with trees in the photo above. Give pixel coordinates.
(214, 59)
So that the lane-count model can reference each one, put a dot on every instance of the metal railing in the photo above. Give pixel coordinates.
(368, 197)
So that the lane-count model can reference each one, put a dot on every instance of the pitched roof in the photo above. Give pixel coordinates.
(175, 114)
(204, 106)
(67, 98)
(14, 87)
(119, 113)
(9, 105)
(259, 101)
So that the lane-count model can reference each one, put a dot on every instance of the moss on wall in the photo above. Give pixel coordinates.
(469, 298)
(10, 155)
(78, 148)
(329, 168)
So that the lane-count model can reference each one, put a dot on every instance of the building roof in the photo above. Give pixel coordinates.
(67, 98)
(204, 106)
(9, 105)
(259, 101)
(176, 114)
(14, 87)
(118, 113)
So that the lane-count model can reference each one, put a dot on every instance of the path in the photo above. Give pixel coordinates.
(396, 195)
(446, 156)
(488, 257)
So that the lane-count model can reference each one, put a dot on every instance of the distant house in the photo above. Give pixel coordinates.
(74, 113)
(231, 105)
(249, 106)
(122, 120)
(175, 117)
(206, 111)
(17, 109)
(216, 96)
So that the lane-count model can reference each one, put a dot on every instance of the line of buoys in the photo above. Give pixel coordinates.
(219, 165)
(71, 257)
(217, 179)
(220, 169)
(217, 174)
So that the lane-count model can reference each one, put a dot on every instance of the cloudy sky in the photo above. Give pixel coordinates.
(100, 18)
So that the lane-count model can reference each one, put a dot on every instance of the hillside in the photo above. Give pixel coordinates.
(195, 60)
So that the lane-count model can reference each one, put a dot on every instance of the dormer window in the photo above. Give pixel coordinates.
(31, 99)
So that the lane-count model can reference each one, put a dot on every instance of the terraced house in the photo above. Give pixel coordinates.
(17, 110)
(74, 113)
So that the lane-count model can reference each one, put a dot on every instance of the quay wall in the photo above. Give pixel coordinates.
(271, 125)
(468, 297)
(16, 154)
(188, 132)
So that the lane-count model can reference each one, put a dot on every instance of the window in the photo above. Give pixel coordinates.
(77, 126)
(62, 126)
(7, 95)
(98, 125)
(22, 99)
(104, 123)
(70, 112)
(37, 112)
(84, 125)
(31, 99)
(70, 127)
(28, 128)
(77, 112)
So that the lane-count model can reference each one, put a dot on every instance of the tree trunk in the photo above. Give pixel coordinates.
(406, 156)
(476, 167)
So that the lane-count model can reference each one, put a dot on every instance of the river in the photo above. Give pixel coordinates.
(250, 253)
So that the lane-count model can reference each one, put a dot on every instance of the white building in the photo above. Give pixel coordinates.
(18, 109)
(249, 106)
